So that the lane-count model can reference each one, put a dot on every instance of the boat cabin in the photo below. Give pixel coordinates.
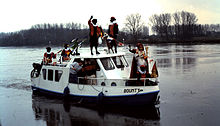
(100, 70)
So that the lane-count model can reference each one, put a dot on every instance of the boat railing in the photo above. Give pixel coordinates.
(118, 82)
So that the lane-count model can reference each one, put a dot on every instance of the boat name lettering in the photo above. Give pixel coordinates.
(132, 90)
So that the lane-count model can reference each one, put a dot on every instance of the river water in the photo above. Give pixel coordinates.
(189, 77)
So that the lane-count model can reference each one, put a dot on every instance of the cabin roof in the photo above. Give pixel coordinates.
(102, 55)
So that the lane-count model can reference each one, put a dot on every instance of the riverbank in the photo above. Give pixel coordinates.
(198, 40)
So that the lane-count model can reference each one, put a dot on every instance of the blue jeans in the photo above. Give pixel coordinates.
(73, 78)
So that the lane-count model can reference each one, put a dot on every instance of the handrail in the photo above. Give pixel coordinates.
(120, 82)
(124, 79)
(115, 79)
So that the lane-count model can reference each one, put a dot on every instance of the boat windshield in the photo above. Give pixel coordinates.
(125, 61)
(120, 61)
(107, 63)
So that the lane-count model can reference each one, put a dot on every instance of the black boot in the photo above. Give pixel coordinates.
(97, 52)
(91, 50)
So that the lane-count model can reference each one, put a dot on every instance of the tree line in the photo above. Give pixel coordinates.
(49, 34)
(177, 26)
(43, 34)
(180, 25)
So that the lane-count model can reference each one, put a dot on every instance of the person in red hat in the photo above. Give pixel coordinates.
(113, 32)
(95, 32)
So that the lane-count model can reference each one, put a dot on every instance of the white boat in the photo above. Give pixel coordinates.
(110, 83)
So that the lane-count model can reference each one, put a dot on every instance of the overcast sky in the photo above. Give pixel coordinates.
(22, 14)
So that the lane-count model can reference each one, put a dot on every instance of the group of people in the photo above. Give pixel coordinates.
(75, 67)
(140, 65)
(86, 68)
(96, 33)
(140, 62)
(50, 57)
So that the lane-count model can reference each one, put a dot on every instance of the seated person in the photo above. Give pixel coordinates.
(54, 60)
(66, 52)
(48, 56)
(75, 67)
(90, 71)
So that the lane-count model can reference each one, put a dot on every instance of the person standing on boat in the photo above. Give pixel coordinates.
(75, 67)
(140, 62)
(113, 32)
(48, 56)
(95, 33)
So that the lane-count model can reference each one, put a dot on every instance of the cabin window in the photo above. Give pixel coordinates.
(91, 65)
(44, 73)
(50, 75)
(118, 62)
(76, 60)
(58, 74)
(125, 61)
(107, 63)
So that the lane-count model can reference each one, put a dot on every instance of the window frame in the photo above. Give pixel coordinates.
(111, 67)
(44, 74)
(49, 77)
(57, 75)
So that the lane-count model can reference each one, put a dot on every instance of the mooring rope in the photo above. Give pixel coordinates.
(96, 89)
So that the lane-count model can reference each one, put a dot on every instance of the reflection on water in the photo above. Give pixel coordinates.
(164, 62)
(182, 58)
(57, 112)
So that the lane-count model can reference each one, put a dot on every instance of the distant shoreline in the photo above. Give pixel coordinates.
(194, 41)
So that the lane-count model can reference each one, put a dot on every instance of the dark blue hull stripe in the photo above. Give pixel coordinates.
(153, 92)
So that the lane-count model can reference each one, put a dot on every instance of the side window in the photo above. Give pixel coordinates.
(50, 75)
(118, 62)
(107, 63)
(97, 65)
(44, 71)
(92, 64)
(58, 74)
(76, 60)
(125, 61)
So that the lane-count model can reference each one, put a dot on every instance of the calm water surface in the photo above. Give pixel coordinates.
(189, 78)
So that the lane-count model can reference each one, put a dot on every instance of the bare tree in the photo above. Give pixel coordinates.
(166, 22)
(188, 22)
(161, 24)
(176, 22)
(184, 24)
(134, 25)
(155, 23)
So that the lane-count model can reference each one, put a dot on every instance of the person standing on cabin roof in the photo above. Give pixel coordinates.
(95, 32)
(66, 52)
(75, 67)
(113, 32)
(48, 56)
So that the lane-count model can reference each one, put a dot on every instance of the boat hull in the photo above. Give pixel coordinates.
(138, 99)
